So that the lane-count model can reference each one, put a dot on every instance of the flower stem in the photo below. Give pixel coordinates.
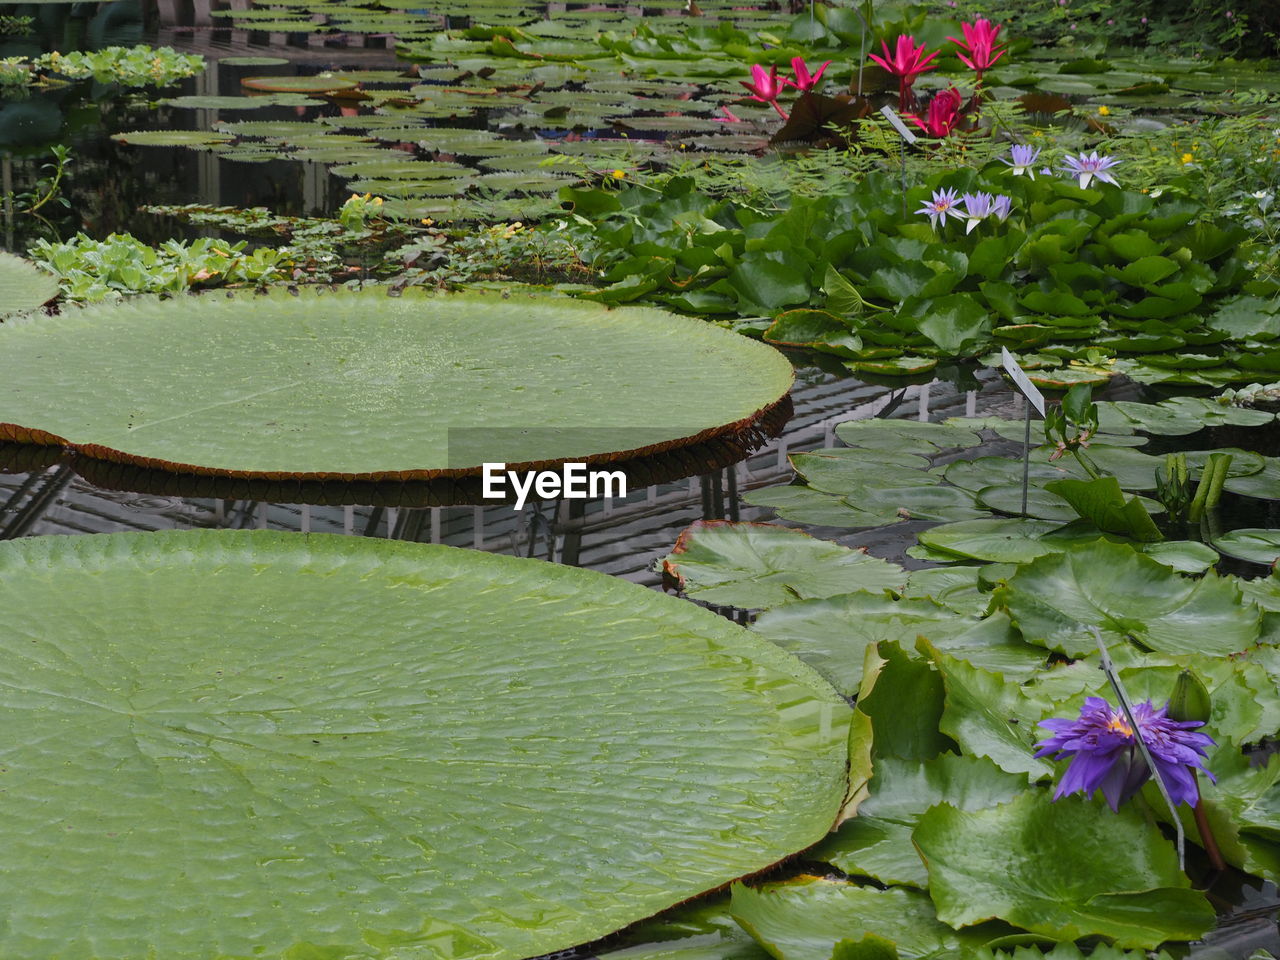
(1207, 839)
(782, 113)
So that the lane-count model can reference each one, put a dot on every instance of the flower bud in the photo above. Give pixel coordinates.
(1190, 699)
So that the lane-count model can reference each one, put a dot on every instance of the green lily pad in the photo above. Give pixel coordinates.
(1255, 544)
(988, 715)
(320, 83)
(805, 919)
(171, 138)
(1000, 540)
(23, 287)
(272, 744)
(252, 61)
(1056, 599)
(832, 634)
(347, 385)
(877, 843)
(1066, 870)
(759, 565)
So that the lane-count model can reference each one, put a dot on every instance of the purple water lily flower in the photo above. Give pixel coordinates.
(944, 204)
(1105, 756)
(1021, 159)
(977, 206)
(1086, 167)
(1001, 206)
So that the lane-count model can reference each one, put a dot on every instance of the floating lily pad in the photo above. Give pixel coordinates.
(253, 61)
(1056, 599)
(1254, 544)
(368, 386)
(320, 83)
(234, 774)
(805, 919)
(758, 565)
(23, 286)
(1067, 870)
(241, 103)
(171, 138)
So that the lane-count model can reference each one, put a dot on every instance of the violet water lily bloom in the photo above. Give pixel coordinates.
(977, 207)
(1105, 755)
(1086, 167)
(1022, 157)
(1001, 206)
(944, 204)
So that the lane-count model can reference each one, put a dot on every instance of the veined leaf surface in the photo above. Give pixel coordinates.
(234, 744)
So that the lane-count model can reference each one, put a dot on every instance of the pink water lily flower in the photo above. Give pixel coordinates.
(766, 87)
(943, 113)
(804, 81)
(906, 63)
(980, 43)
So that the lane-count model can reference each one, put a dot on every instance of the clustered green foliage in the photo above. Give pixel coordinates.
(138, 66)
(1085, 472)
(955, 667)
(1117, 270)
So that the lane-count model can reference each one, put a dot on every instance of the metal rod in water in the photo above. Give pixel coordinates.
(1123, 696)
(1026, 454)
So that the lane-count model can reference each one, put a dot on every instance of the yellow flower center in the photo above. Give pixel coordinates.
(1120, 725)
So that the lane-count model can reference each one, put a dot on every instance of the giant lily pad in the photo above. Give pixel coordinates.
(344, 386)
(22, 286)
(248, 743)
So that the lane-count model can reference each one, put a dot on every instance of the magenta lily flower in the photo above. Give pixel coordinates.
(943, 113)
(906, 63)
(766, 87)
(980, 44)
(804, 81)
(1105, 756)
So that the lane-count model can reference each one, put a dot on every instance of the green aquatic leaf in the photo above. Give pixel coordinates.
(1103, 504)
(1254, 544)
(832, 634)
(903, 696)
(23, 286)
(760, 565)
(877, 843)
(1055, 599)
(805, 919)
(323, 383)
(1066, 870)
(232, 774)
(988, 716)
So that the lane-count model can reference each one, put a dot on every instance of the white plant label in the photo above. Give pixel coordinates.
(1021, 380)
(903, 130)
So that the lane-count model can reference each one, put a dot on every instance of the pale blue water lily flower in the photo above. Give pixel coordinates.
(943, 205)
(977, 207)
(1087, 166)
(1001, 206)
(1021, 159)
